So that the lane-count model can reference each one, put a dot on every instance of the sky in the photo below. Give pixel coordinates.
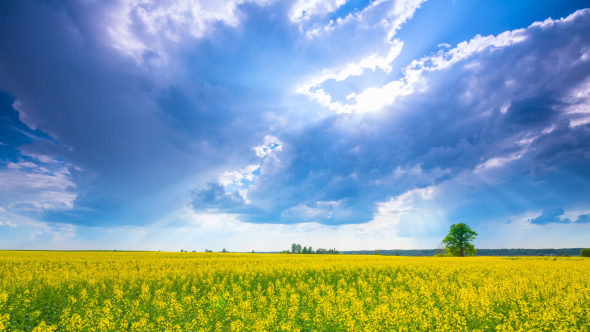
(253, 124)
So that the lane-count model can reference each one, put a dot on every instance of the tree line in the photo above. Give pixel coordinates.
(297, 249)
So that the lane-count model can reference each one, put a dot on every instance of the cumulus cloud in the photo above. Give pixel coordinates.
(390, 15)
(214, 197)
(493, 127)
(146, 29)
(486, 120)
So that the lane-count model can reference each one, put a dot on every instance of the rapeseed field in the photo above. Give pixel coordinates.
(119, 291)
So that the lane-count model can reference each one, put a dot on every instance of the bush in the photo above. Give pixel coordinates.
(585, 252)
(444, 255)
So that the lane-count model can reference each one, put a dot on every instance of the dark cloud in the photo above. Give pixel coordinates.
(128, 136)
(214, 197)
(551, 216)
(503, 109)
(494, 130)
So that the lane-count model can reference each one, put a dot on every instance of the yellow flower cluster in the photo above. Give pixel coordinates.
(118, 291)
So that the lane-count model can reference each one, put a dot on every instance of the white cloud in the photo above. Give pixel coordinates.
(141, 27)
(374, 98)
(313, 87)
(8, 224)
(237, 177)
(498, 162)
(304, 9)
(24, 186)
(390, 15)
(268, 146)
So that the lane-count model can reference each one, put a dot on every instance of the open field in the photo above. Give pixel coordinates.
(99, 291)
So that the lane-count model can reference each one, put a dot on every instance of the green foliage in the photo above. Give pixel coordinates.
(207, 250)
(459, 240)
(585, 252)
(296, 248)
(376, 252)
(224, 250)
(327, 251)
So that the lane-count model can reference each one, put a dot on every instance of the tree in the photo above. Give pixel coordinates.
(459, 240)
(585, 252)
(304, 251)
(296, 248)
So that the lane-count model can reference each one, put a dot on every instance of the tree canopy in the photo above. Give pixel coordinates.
(459, 240)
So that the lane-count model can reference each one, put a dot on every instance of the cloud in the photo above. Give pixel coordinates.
(142, 109)
(478, 128)
(304, 9)
(146, 30)
(214, 197)
(25, 187)
(551, 216)
(391, 15)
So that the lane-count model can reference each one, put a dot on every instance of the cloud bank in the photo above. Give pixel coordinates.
(280, 117)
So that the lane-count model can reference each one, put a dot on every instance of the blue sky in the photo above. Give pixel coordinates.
(252, 124)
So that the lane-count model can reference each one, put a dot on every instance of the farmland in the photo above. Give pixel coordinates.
(123, 291)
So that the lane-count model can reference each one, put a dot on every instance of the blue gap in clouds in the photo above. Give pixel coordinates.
(455, 21)
(349, 8)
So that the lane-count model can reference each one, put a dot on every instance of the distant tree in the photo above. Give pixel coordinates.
(296, 248)
(194, 251)
(397, 253)
(585, 252)
(459, 240)
(207, 250)
(304, 251)
(252, 251)
(310, 250)
(224, 250)
(181, 250)
(376, 252)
